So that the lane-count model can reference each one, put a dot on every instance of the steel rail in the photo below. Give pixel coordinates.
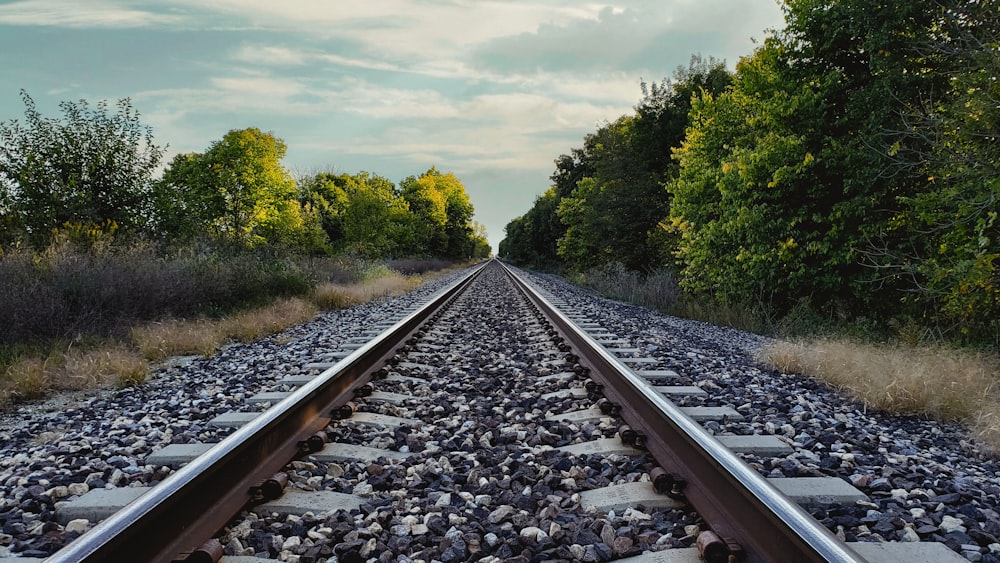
(186, 509)
(735, 500)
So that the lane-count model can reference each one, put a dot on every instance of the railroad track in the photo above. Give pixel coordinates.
(484, 423)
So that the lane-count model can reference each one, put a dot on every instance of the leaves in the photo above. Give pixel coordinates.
(90, 167)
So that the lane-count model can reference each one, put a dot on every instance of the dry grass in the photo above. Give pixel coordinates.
(33, 378)
(172, 337)
(337, 296)
(933, 381)
(124, 365)
(271, 319)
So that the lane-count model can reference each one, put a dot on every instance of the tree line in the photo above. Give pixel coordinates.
(93, 174)
(850, 163)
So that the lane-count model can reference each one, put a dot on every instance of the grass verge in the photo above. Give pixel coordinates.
(915, 377)
(931, 380)
(338, 296)
(126, 362)
(35, 377)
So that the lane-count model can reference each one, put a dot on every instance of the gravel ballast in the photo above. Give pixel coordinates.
(483, 481)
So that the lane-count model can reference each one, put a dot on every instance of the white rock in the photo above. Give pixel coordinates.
(500, 513)
(909, 534)
(291, 543)
(363, 489)
(367, 549)
(58, 492)
(533, 533)
(632, 515)
(78, 489)
(457, 520)
(80, 525)
(951, 524)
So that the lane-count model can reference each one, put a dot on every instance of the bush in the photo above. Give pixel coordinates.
(414, 266)
(66, 292)
(656, 290)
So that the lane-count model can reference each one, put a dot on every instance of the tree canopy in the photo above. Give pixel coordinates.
(94, 172)
(236, 191)
(849, 162)
(90, 168)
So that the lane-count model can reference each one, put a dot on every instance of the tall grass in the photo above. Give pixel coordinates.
(930, 380)
(657, 290)
(63, 292)
(338, 296)
(75, 318)
(175, 337)
(34, 377)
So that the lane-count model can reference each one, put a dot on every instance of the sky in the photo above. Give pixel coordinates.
(492, 90)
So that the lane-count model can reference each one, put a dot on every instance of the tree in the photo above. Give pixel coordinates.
(376, 219)
(443, 213)
(531, 239)
(89, 168)
(609, 194)
(237, 191)
(783, 178)
(943, 246)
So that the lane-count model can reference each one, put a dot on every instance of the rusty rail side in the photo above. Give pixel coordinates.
(187, 508)
(737, 503)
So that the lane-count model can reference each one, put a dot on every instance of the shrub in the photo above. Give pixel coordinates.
(656, 290)
(415, 266)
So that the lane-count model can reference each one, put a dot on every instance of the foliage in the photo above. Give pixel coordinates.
(782, 178)
(443, 216)
(366, 215)
(848, 168)
(91, 167)
(532, 239)
(607, 200)
(944, 243)
(64, 292)
(237, 191)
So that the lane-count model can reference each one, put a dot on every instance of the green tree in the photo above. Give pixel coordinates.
(376, 220)
(531, 240)
(91, 167)
(609, 194)
(783, 178)
(326, 194)
(238, 190)
(943, 247)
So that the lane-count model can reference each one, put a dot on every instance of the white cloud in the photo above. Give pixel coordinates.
(80, 14)
(417, 27)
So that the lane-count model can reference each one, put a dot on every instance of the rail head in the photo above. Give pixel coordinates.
(734, 499)
(189, 506)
